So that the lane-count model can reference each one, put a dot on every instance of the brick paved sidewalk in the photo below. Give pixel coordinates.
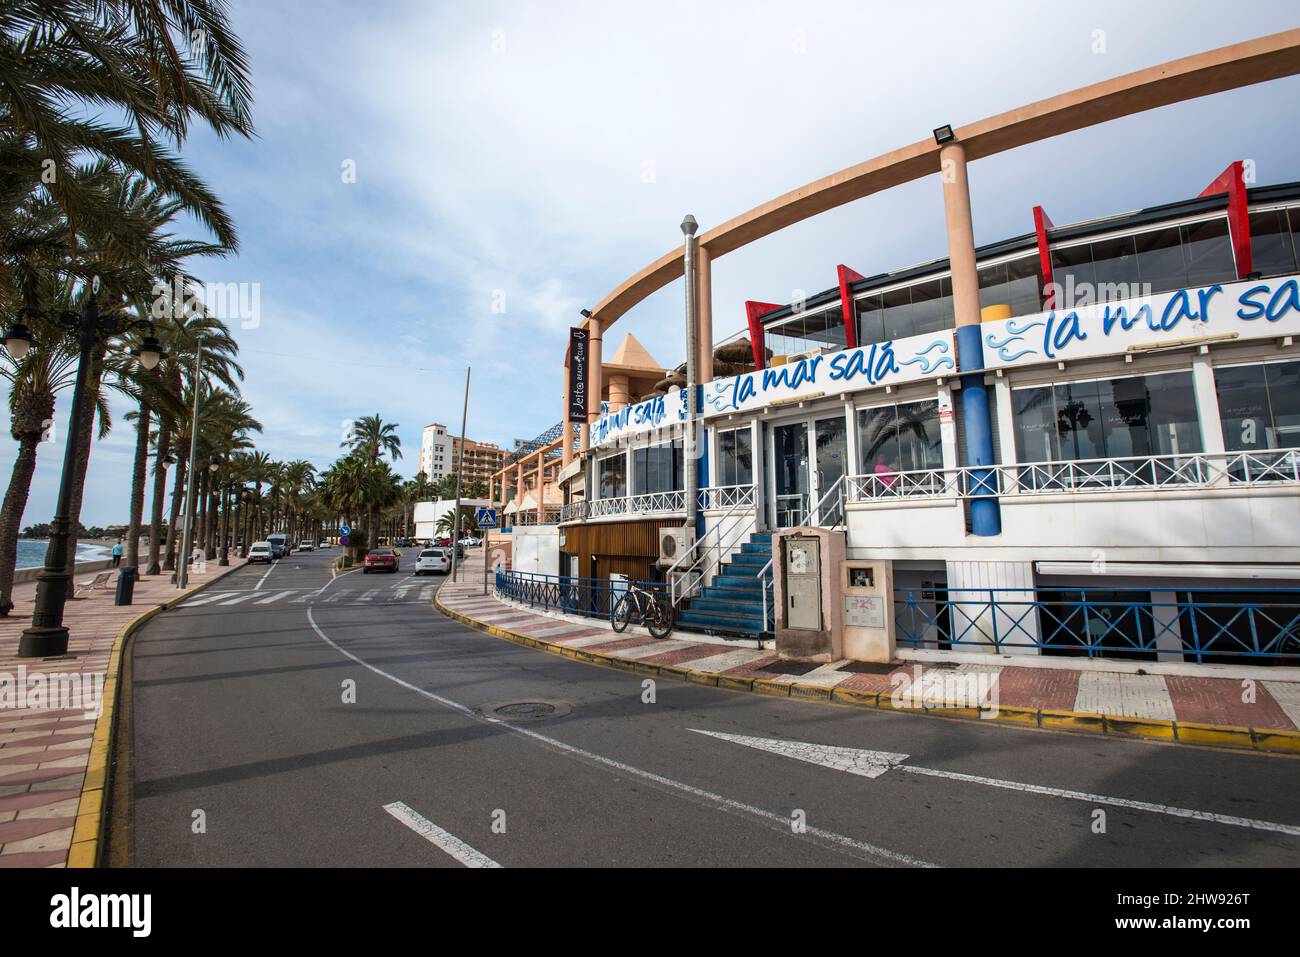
(1212, 700)
(45, 752)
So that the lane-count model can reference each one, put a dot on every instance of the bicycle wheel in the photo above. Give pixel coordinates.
(622, 614)
(658, 620)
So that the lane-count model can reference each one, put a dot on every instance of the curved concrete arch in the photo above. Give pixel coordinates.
(1215, 71)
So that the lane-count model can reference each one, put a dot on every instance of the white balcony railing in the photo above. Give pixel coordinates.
(1136, 474)
(719, 498)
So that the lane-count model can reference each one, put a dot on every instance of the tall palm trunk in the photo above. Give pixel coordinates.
(159, 496)
(87, 428)
(138, 478)
(173, 529)
(31, 412)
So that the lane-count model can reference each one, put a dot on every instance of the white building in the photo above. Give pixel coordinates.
(435, 452)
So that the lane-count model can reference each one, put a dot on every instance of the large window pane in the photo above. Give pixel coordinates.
(1173, 423)
(878, 440)
(1116, 267)
(1072, 271)
(1284, 397)
(735, 457)
(1209, 253)
(1162, 264)
(1035, 421)
(1272, 243)
(612, 475)
(1243, 408)
(1024, 286)
(1079, 421)
(871, 320)
(657, 468)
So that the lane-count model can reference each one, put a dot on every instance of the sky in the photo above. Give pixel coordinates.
(436, 184)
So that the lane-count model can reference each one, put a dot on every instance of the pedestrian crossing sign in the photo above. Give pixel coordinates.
(487, 518)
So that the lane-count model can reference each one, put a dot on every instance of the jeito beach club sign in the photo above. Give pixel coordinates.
(1239, 311)
(850, 370)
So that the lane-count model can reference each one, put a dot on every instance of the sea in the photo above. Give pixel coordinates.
(31, 552)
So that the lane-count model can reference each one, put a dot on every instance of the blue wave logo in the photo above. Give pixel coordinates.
(928, 364)
(1016, 333)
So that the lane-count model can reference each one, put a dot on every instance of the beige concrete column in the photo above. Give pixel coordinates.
(961, 235)
(704, 309)
(541, 488)
(594, 371)
(618, 392)
(519, 483)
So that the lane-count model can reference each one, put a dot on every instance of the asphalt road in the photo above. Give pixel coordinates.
(239, 724)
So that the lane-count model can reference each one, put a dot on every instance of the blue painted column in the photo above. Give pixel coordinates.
(977, 421)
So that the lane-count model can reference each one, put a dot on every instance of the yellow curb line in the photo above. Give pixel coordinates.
(1187, 732)
(92, 809)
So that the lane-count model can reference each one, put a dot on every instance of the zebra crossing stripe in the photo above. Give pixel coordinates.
(238, 598)
(205, 599)
(273, 598)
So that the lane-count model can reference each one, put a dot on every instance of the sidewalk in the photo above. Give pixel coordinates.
(51, 777)
(1192, 709)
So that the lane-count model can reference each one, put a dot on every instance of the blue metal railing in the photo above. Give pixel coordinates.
(1200, 625)
(592, 597)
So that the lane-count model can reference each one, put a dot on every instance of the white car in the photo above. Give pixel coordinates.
(324, 544)
(469, 541)
(261, 552)
(306, 546)
(433, 560)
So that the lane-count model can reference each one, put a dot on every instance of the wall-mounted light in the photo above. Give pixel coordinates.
(944, 134)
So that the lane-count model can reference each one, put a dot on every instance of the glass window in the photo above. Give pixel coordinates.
(1015, 284)
(657, 468)
(735, 457)
(1272, 242)
(1107, 418)
(808, 332)
(871, 320)
(1116, 267)
(1209, 253)
(1259, 406)
(1161, 263)
(612, 476)
(900, 438)
(1073, 273)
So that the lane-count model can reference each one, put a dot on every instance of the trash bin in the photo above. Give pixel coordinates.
(125, 584)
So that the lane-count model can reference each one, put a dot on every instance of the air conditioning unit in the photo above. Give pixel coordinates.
(673, 542)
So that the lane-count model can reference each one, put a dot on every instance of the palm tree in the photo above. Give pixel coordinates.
(370, 438)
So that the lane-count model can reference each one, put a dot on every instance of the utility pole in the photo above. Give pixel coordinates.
(460, 471)
(191, 486)
(689, 227)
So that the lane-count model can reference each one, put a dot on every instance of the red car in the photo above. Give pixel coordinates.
(379, 560)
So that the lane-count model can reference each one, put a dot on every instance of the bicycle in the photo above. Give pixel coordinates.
(647, 607)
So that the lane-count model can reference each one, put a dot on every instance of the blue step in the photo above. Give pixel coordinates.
(733, 603)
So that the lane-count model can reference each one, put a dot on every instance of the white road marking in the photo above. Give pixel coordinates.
(872, 764)
(369, 595)
(774, 821)
(270, 568)
(238, 598)
(205, 599)
(270, 598)
(449, 844)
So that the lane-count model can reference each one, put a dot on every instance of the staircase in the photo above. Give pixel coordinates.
(733, 605)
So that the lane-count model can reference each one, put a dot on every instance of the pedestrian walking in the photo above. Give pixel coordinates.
(117, 553)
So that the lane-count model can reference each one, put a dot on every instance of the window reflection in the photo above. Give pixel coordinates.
(612, 476)
(735, 457)
(899, 438)
(657, 468)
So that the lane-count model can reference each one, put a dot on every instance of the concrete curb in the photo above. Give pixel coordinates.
(92, 810)
(1173, 732)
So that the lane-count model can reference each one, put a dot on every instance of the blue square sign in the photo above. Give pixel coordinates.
(487, 518)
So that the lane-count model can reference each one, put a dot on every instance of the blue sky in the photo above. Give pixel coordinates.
(538, 153)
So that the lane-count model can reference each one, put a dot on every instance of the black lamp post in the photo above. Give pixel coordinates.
(47, 636)
(225, 523)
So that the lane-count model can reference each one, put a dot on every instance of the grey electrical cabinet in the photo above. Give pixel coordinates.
(803, 583)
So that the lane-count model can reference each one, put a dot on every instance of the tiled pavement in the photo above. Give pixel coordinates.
(1205, 700)
(44, 752)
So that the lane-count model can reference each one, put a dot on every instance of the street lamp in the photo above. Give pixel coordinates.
(47, 636)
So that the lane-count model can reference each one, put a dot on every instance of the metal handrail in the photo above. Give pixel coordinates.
(702, 548)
